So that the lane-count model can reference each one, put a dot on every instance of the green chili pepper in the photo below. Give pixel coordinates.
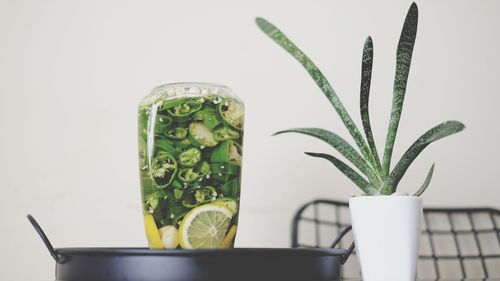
(155, 200)
(199, 135)
(192, 203)
(200, 196)
(177, 133)
(225, 134)
(190, 157)
(231, 188)
(234, 153)
(175, 210)
(183, 144)
(227, 152)
(224, 172)
(183, 111)
(170, 103)
(222, 178)
(209, 116)
(195, 173)
(232, 113)
(225, 168)
(220, 154)
(163, 169)
(178, 193)
(162, 123)
(186, 203)
(205, 193)
(166, 146)
(176, 184)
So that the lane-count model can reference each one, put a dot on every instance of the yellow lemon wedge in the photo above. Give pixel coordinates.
(205, 226)
(152, 233)
(228, 240)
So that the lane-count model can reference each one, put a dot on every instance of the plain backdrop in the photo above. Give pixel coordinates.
(73, 72)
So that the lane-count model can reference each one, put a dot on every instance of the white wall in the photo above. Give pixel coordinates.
(72, 73)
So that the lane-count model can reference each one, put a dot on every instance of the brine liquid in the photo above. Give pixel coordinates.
(190, 151)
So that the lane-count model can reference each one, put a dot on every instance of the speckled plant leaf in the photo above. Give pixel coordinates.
(440, 131)
(426, 182)
(366, 77)
(403, 61)
(363, 184)
(341, 146)
(277, 36)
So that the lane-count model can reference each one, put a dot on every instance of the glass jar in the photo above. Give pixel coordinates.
(190, 151)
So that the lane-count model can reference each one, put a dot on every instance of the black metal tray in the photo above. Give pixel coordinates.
(239, 264)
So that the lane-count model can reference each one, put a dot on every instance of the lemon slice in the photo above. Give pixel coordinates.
(152, 233)
(205, 226)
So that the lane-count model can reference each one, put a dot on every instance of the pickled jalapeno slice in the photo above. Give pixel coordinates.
(200, 196)
(166, 104)
(183, 144)
(163, 169)
(231, 188)
(162, 123)
(190, 157)
(234, 153)
(197, 172)
(200, 134)
(176, 184)
(232, 113)
(225, 168)
(177, 133)
(225, 133)
(209, 116)
(228, 152)
(166, 146)
(183, 111)
(205, 193)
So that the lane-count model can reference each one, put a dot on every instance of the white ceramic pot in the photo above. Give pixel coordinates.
(387, 235)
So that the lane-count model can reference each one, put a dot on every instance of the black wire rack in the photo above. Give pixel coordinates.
(456, 243)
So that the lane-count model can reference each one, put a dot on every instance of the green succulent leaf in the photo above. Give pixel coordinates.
(403, 61)
(426, 182)
(363, 184)
(366, 77)
(438, 132)
(341, 146)
(381, 180)
(281, 39)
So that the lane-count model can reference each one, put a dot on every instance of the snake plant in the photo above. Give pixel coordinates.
(376, 176)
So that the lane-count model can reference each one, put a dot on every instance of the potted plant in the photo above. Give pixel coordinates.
(386, 227)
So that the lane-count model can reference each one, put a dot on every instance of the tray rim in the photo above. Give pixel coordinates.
(134, 251)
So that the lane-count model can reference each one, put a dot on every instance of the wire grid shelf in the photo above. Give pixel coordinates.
(455, 243)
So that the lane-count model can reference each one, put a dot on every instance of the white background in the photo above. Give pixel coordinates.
(72, 74)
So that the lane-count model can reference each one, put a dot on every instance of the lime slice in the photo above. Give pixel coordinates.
(205, 226)
(152, 233)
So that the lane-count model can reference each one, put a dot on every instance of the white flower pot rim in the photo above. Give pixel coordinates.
(386, 197)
